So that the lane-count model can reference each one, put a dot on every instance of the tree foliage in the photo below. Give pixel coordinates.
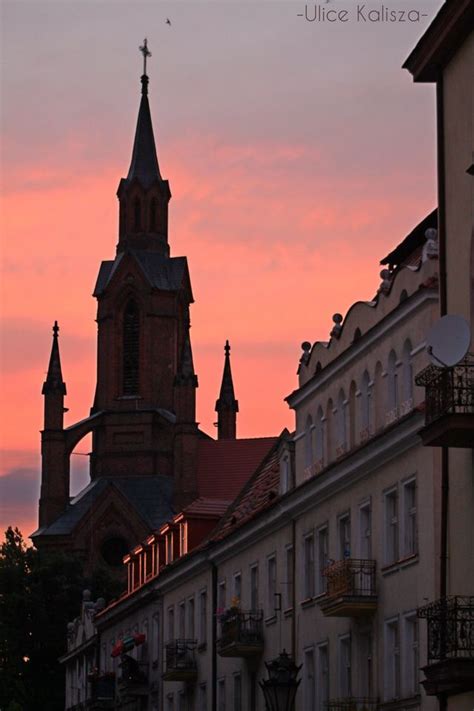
(39, 594)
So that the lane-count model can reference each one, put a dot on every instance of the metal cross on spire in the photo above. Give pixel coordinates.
(146, 53)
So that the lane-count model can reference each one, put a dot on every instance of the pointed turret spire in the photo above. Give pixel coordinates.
(143, 194)
(54, 380)
(227, 406)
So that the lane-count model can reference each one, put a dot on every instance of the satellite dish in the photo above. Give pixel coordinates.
(448, 341)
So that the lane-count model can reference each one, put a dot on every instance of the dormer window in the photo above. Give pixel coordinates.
(183, 538)
(131, 348)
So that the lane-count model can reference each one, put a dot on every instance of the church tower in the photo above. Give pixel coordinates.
(143, 419)
(227, 406)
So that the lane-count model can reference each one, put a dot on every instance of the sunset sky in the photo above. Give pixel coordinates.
(298, 154)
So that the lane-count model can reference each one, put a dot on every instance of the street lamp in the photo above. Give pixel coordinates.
(282, 684)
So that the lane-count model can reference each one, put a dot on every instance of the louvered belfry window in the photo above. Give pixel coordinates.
(131, 348)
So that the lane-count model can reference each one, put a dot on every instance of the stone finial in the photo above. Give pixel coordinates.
(386, 277)
(337, 328)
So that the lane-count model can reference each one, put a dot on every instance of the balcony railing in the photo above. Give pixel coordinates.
(352, 704)
(350, 588)
(450, 653)
(241, 634)
(102, 691)
(449, 404)
(180, 661)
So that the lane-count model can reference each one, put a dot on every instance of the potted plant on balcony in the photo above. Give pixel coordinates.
(229, 619)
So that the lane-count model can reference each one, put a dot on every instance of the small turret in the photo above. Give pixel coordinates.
(227, 406)
(54, 388)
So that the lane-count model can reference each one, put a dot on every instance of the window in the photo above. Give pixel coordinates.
(290, 561)
(182, 620)
(170, 623)
(323, 541)
(131, 348)
(391, 526)
(237, 692)
(407, 392)
(309, 681)
(366, 664)
(271, 584)
(137, 215)
(221, 695)
(170, 702)
(320, 435)
(221, 595)
(308, 441)
(191, 630)
(410, 655)
(181, 701)
(365, 407)
(203, 617)
(238, 587)
(155, 636)
(308, 567)
(392, 383)
(285, 478)
(323, 676)
(341, 424)
(345, 677)
(392, 660)
(169, 547)
(365, 530)
(153, 206)
(183, 538)
(254, 587)
(203, 697)
(345, 536)
(410, 546)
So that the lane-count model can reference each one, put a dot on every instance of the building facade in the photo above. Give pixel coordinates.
(349, 546)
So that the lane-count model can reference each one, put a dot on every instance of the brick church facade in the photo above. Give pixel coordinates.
(149, 458)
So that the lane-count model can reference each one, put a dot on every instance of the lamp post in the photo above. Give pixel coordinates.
(282, 684)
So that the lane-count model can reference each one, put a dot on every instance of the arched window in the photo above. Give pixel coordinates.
(379, 418)
(329, 432)
(392, 385)
(137, 215)
(352, 415)
(364, 406)
(320, 437)
(341, 423)
(131, 348)
(153, 214)
(308, 441)
(407, 385)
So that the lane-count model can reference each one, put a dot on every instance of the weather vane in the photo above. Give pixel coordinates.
(146, 53)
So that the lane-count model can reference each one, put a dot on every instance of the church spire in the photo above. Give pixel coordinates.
(54, 379)
(143, 194)
(227, 406)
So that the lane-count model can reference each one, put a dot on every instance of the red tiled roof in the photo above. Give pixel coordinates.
(225, 465)
(207, 507)
(259, 493)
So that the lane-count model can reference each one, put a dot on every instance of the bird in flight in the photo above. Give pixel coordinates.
(168, 21)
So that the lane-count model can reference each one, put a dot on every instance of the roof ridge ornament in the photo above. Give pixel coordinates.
(146, 53)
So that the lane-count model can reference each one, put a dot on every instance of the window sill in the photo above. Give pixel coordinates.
(202, 647)
(400, 564)
(288, 612)
(270, 620)
(307, 602)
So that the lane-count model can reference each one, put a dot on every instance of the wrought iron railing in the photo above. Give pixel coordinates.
(448, 391)
(244, 627)
(352, 704)
(450, 627)
(351, 576)
(179, 655)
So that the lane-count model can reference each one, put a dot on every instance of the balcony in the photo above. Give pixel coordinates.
(133, 680)
(350, 589)
(180, 662)
(449, 400)
(241, 635)
(352, 704)
(450, 668)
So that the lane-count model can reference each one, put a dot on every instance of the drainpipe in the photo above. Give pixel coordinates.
(214, 637)
(443, 307)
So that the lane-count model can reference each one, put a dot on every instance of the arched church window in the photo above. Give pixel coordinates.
(153, 214)
(131, 343)
(137, 217)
